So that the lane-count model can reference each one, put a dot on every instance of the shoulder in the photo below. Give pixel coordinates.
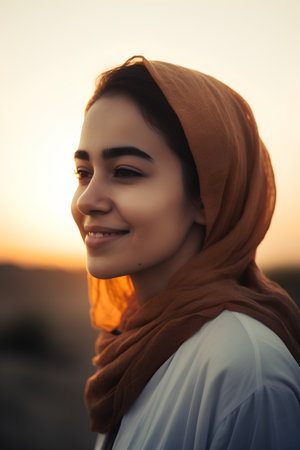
(232, 340)
(219, 378)
(232, 357)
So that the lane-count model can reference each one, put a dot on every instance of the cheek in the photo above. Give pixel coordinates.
(77, 216)
(157, 216)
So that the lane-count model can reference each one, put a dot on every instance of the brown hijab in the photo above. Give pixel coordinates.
(238, 192)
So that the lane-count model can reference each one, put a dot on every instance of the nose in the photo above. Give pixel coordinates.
(94, 199)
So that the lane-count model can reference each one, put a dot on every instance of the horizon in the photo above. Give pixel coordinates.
(52, 53)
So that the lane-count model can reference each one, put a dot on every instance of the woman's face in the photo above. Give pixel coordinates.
(130, 186)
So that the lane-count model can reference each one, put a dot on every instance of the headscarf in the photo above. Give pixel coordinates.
(237, 190)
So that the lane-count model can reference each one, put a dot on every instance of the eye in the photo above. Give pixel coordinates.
(124, 172)
(82, 174)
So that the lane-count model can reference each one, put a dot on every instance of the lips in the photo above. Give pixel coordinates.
(102, 234)
(97, 236)
(99, 229)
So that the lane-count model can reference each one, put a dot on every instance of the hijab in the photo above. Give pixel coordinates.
(237, 190)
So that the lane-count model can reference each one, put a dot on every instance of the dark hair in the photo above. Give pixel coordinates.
(136, 82)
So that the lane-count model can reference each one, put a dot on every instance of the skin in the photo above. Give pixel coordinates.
(165, 227)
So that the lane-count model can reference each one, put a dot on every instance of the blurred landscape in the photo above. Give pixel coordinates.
(46, 344)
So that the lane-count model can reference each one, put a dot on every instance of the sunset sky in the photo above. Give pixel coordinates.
(51, 53)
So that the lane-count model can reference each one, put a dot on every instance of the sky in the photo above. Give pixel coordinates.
(52, 51)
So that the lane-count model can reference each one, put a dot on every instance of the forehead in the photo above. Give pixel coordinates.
(111, 114)
(116, 121)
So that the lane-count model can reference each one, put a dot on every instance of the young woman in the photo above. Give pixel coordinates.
(198, 349)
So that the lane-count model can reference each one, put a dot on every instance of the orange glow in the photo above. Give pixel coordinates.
(27, 258)
(108, 306)
(47, 78)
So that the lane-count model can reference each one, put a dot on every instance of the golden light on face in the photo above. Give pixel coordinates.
(130, 204)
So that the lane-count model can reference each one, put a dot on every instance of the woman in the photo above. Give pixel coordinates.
(198, 350)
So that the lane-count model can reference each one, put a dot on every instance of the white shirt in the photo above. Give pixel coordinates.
(233, 385)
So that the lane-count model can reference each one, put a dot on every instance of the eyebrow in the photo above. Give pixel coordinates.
(115, 152)
(81, 154)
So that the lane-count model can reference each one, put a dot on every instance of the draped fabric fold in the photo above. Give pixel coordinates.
(237, 189)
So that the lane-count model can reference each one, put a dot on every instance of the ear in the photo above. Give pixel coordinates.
(199, 212)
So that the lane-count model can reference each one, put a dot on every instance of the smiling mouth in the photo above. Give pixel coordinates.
(95, 239)
(100, 234)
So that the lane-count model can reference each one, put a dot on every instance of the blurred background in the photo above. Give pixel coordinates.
(51, 53)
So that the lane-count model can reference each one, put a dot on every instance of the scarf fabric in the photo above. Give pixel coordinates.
(238, 193)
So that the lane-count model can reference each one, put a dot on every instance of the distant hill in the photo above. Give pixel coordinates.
(46, 305)
(289, 279)
(52, 285)
(58, 296)
(44, 289)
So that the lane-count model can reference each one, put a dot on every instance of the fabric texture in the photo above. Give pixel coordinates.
(237, 189)
(238, 392)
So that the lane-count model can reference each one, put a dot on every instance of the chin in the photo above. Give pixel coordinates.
(102, 273)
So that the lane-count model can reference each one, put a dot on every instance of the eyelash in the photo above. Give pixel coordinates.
(129, 173)
(82, 174)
